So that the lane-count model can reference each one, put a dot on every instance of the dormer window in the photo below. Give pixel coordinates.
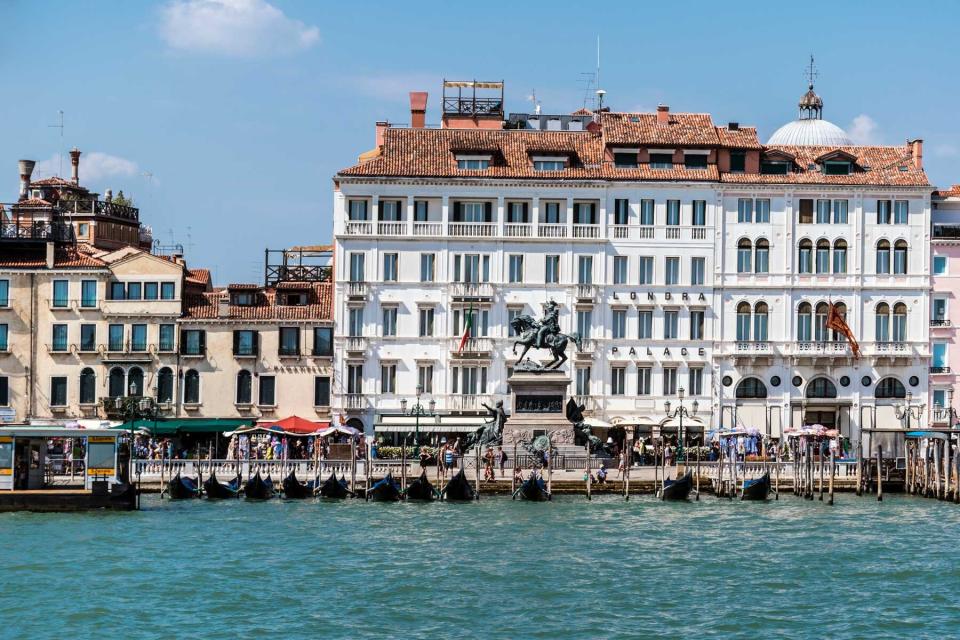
(738, 161)
(625, 158)
(695, 159)
(774, 168)
(836, 168)
(295, 299)
(549, 163)
(661, 159)
(473, 162)
(243, 298)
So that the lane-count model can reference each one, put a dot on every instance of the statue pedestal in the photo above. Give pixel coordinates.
(539, 402)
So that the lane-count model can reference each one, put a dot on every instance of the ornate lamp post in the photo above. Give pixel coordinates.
(418, 410)
(133, 408)
(679, 413)
(909, 410)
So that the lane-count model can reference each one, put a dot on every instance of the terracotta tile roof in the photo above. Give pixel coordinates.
(642, 129)
(200, 276)
(32, 202)
(206, 306)
(63, 258)
(952, 192)
(242, 286)
(891, 166)
(742, 138)
(53, 181)
(582, 111)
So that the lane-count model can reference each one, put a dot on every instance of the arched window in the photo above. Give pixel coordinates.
(883, 322)
(751, 388)
(899, 322)
(804, 322)
(244, 387)
(191, 387)
(840, 256)
(761, 316)
(883, 257)
(890, 388)
(823, 256)
(116, 380)
(743, 322)
(761, 264)
(135, 382)
(88, 386)
(165, 385)
(821, 388)
(900, 257)
(805, 264)
(744, 249)
(820, 323)
(842, 312)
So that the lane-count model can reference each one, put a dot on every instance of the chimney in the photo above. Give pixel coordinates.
(26, 170)
(50, 255)
(663, 114)
(916, 152)
(381, 129)
(223, 306)
(733, 126)
(75, 165)
(418, 109)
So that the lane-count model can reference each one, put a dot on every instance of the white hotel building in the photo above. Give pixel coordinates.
(687, 255)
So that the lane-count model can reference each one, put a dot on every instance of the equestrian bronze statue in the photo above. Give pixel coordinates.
(544, 334)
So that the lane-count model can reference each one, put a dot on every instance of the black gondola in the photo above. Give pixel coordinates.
(421, 489)
(333, 488)
(258, 489)
(459, 488)
(678, 489)
(534, 488)
(756, 489)
(296, 490)
(386, 490)
(182, 488)
(217, 490)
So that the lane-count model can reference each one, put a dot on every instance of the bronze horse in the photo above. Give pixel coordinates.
(526, 328)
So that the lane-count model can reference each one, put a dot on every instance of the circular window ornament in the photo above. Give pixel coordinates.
(727, 381)
(775, 381)
(797, 381)
(866, 381)
(844, 381)
(914, 381)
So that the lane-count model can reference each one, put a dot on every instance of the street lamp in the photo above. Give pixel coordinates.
(418, 410)
(679, 413)
(909, 410)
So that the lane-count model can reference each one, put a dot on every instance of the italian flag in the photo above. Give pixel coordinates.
(467, 329)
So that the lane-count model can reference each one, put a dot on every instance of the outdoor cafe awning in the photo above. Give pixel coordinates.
(182, 426)
(435, 424)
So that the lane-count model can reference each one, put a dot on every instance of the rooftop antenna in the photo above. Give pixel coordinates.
(190, 240)
(588, 78)
(533, 98)
(60, 148)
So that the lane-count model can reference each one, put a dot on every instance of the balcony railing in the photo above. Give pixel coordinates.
(472, 346)
(892, 347)
(822, 348)
(467, 402)
(753, 346)
(673, 233)
(946, 231)
(514, 230)
(939, 322)
(942, 415)
(552, 230)
(586, 231)
(38, 231)
(936, 370)
(100, 208)
(392, 228)
(357, 290)
(472, 229)
(355, 228)
(586, 293)
(427, 228)
(471, 290)
(356, 344)
(354, 401)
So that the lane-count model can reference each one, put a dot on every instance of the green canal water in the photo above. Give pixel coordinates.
(493, 569)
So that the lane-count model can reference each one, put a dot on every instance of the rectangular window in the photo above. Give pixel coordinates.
(473, 164)
(88, 294)
(901, 211)
(939, 265)
(699, 213)
(427, 264)
(268, 391)
(167, 333)
(644, 378)
(4, 337)
(618, 380)
(584, 322)
(698, 269)
(355, 378)
(775, 168)
(670, 324)
(421, 211)
(550, 213)
(760, 326)
(695, 161)
(151, 291)
(390, 261)
(289, 341)
(619, 324)
(168, 291)
(672, 271)
(621, 211)
(389, 325)
(357, 210)
(61, 293)
(840, 258)
(661, 161)
(517, 213)
(426, 321)
(516, 268)
(645, 330)
(548, 165)
(58, 391)
(59, 342)
(512, 313)
(355, 325)
(823, 212)
(745, 210)
(762, 210)
(839, 212)
(883, 212)
(88, 337)
(552, 269)
(805, 213)
(115, 337)
(323, 341)
(4, 391)
(625, 160)
(388, 378)
(619, 269)
(4, 293)
(646, 269)
(192, 341)
(425, 378)
(744, 255)
(669, 381)
(585, 270)
(696, 381)
(738, 161)
(583, 381)
(390, 210)
(138, 337)
(244, 343)
(940, 355)
(321, 391)
(673, 212)
(696, 325)
(134, 291)
(584, 213)
(357, 267)
(647, 212)
(939, 398)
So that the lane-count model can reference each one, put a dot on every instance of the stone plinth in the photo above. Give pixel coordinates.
(539, 402)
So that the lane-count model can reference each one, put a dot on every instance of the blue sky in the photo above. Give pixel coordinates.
(241, 111)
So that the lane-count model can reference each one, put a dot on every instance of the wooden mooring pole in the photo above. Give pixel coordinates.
(879, 474)
(513, 480)
(587, 471)
(403, 467)
(476, 482)
(833, 469)
(777, 496)
(698, 470)
(821, 472)
(627, 463)
(353, 465)
(859, 468)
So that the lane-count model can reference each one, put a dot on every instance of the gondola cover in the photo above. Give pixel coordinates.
(678, 489)
(756, 489)
(259, 489)
(421, 489)
(217, 490)
(459, 488)
(385, 490)
(333, 488)
(182, 488)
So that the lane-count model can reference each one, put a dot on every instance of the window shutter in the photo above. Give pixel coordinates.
(379, 210)
(256, 343)
(203, 341)
(488, 212)
(457, 212)
(298, 341)
(236, 342)
(399, 210)
(526, 212)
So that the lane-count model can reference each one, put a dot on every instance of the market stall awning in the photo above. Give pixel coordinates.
(434, 424)
(596, 423)
(295, 425)
(689, 424)
(182, 426)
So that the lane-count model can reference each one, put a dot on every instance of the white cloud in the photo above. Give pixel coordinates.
(94, 166)
(239, 28)
(863, 130)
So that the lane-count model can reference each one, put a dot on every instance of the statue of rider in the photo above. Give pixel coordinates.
(550, 325)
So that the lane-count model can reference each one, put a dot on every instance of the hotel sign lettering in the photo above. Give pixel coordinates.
(652, 297)
(539, 404)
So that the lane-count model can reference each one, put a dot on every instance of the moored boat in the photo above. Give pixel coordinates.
(678, 489)
(216, 490)
(459, 488)
(534, 488)
(296, 490)
(333, 488)
(421, 489)
(258, 489)
(181, 488)
(757, 488)
(386, 490)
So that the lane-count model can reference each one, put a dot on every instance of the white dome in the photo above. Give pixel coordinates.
(810, 132)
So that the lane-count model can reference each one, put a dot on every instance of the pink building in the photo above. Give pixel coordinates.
(945, 301)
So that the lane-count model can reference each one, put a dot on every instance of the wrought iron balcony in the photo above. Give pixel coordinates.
(936, 370)
(941, 322)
